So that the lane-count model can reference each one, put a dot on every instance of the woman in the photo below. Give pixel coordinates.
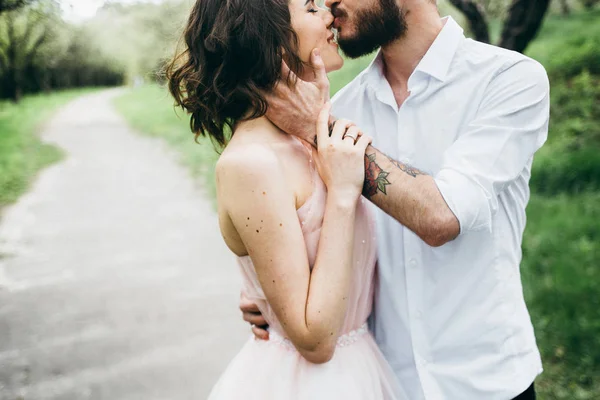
(302, 233)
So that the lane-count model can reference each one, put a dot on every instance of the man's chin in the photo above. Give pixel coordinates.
(354, 49)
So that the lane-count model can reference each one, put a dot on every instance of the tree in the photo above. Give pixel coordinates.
(523, 21)
(565, 8)
(475, 14)
(27, 31)
(589, 4)
(11, 5)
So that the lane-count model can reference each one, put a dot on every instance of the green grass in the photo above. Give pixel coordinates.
(561, 280)
(150, 110)
(561, 246)
(339, 79)
(22, 154)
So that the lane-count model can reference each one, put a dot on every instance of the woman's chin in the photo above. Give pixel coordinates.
(334, 64)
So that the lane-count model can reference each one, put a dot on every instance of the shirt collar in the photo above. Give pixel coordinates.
(436, 62)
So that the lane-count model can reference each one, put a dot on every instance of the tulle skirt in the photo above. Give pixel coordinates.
(274, 370)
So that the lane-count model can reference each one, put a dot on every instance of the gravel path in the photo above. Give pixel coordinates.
(114, 279)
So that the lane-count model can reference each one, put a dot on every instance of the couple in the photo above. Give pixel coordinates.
(447, 309)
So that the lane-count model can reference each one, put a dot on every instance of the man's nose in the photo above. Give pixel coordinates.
(330, 3)
(328, 17)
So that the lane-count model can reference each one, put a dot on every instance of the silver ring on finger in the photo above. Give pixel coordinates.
(349, 136)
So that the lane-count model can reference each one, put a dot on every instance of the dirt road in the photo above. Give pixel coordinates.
(114, 280)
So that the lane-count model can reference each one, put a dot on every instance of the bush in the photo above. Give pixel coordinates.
(570, 161)
(574, 56)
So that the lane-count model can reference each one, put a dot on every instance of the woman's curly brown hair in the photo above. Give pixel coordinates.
(233, 54)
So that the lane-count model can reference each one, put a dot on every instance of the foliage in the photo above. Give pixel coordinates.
(11, 5)
(566, 49)
(116, 31)
(39, 51)
(570, 161)
(22, 154)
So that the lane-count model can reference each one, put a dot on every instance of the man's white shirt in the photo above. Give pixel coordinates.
(452, 320)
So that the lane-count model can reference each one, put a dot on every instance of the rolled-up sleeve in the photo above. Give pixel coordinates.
(510, 125)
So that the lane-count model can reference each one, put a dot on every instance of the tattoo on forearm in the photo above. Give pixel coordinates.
(412, 171)
(376, 178)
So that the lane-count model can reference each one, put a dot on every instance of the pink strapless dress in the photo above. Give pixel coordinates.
(274, 370)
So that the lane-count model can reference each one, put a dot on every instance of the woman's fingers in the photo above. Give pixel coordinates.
(339, 128)
(363, 142)
(353, 133)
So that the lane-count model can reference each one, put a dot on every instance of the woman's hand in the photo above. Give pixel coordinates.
(341, 156)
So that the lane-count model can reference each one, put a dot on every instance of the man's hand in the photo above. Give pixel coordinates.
(252, 315)
(295, 109)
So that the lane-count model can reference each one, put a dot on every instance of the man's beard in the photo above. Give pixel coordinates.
(374, 28)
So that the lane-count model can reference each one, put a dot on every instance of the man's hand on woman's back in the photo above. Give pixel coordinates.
(252, 315)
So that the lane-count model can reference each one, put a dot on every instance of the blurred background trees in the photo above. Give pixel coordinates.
(123, 43)
(523, 20)
(39, 51)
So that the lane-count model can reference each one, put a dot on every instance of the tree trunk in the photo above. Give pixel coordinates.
(565, 9)
(476, 17)
(13, 81)
(523, 23)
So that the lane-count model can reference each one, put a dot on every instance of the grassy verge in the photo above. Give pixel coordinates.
(149, 110)
(561, 280)
(22, 153)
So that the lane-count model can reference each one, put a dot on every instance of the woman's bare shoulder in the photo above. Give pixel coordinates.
(247, 160)
(260, 153)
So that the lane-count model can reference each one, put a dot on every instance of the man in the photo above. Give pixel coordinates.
(455, 125)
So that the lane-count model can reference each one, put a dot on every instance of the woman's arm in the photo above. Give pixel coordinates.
(310, 306)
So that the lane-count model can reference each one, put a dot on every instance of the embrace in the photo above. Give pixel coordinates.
(378, 233)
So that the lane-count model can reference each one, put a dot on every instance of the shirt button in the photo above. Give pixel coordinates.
(413, 263)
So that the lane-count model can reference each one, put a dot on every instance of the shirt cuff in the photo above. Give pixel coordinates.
(466, 199)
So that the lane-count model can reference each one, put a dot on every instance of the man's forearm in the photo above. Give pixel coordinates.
(410, 196)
